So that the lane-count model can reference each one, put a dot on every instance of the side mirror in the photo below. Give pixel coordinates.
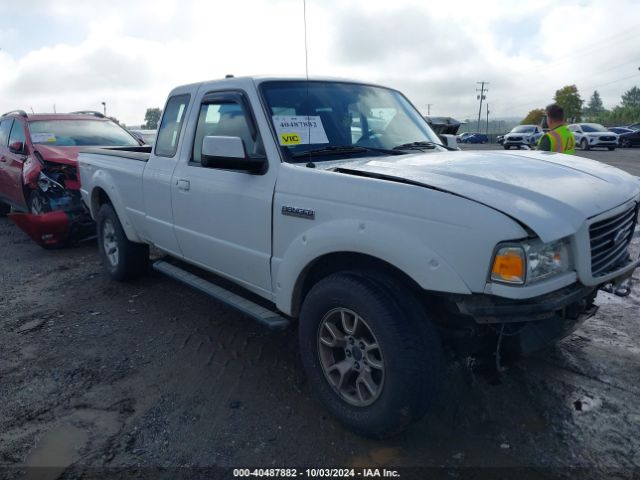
(16, 147)
(449, 140)
(229, 153)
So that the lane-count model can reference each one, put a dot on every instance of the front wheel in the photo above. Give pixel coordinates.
(123, 259)
(373, 358)
(611, 149)
(625, 143)
(584, 144)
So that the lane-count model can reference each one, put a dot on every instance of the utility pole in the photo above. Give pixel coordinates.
(429, 108)
(481, 97)
(104, 108)
(487, 119)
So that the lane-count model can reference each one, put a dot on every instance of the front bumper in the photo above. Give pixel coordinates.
(59, 227)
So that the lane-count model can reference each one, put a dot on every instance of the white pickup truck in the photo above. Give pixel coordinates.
(332, 204)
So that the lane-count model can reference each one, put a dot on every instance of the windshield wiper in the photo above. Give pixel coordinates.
(346, 149)
(421, 146)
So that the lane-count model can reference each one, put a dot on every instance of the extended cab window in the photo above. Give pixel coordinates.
(172, 120)
(225, 118)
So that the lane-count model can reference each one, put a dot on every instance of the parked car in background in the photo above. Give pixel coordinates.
(520, 136)
(591, 135)
(629, 139)
(147, 136)
(462, 136)
(634, 126)
(475, 138)
(621, 130)
(39, 171)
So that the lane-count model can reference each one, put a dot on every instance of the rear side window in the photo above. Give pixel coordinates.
(172, 120)
(5, 128)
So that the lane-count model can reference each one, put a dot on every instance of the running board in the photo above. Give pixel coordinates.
(257, 312)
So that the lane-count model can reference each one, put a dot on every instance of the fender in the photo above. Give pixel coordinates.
(426, 267)
(102, 179)
(30, 172)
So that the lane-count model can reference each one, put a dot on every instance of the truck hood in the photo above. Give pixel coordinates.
(64, 155)
(553, 194)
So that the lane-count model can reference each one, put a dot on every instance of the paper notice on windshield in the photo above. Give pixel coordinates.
(299, 130)
(43, 138)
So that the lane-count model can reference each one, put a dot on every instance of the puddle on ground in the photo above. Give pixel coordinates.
(56, 450)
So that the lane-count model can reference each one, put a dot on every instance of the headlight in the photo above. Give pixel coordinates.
(530, 262)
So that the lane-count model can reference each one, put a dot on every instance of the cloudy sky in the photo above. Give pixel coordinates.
(130, 53)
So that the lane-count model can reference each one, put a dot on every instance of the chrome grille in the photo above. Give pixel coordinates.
(607, 138)
(609, 240)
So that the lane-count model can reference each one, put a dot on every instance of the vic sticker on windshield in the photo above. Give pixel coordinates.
(301, 130)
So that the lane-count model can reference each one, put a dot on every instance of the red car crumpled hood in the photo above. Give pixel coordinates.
(64, 155)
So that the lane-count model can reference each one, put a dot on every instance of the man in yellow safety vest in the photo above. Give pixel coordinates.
(559, 138)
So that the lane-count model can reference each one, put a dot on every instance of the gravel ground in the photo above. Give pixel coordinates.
(96, 374)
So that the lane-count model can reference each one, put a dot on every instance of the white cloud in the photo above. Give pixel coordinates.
(130, 54)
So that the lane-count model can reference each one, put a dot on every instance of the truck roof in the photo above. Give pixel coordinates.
(258, 79)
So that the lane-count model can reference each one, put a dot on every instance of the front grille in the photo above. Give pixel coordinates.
(609, 240)
(607, 138)
(514, 139)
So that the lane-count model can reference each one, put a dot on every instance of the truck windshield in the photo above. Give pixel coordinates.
(68, 133)
(318, 116)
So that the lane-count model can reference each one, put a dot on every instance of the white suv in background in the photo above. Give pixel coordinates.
(520, 136)
(589, 135)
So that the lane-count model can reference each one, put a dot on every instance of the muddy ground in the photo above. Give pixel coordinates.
(96, 374)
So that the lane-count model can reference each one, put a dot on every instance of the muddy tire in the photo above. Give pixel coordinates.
(123, 259)
(4, 209)
(375, 362)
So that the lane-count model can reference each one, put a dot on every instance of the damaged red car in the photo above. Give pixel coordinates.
(39, 182)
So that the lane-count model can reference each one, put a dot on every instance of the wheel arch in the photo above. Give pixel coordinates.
(99, 196)
(335, 262)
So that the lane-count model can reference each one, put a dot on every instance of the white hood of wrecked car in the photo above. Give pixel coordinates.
(553, 194)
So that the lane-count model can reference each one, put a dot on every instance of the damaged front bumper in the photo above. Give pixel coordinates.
(59, 227)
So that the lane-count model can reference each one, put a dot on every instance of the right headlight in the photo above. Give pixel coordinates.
(530, 261)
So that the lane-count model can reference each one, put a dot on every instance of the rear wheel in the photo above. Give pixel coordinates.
(123, 259)
(584, 144)
(372, 364)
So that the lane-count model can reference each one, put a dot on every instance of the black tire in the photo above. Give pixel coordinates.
(410, 349)
(625, 143)
(611, 149)
(584, 144)
(131, 259)
(4, 209)
(506, 147)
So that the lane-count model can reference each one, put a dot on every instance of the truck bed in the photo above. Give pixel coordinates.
(141, 153)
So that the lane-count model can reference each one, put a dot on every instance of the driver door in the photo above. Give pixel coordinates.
(222, 218)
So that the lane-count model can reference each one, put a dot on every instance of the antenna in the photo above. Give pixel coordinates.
(306, 55)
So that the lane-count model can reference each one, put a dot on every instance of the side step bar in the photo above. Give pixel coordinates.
(257, 312)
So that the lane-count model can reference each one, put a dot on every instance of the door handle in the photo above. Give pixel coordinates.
(183, 184)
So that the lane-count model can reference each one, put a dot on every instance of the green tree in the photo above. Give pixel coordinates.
(595, 109)
(533, 117)
(569, 99)
(631, 98)
(152, 118)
